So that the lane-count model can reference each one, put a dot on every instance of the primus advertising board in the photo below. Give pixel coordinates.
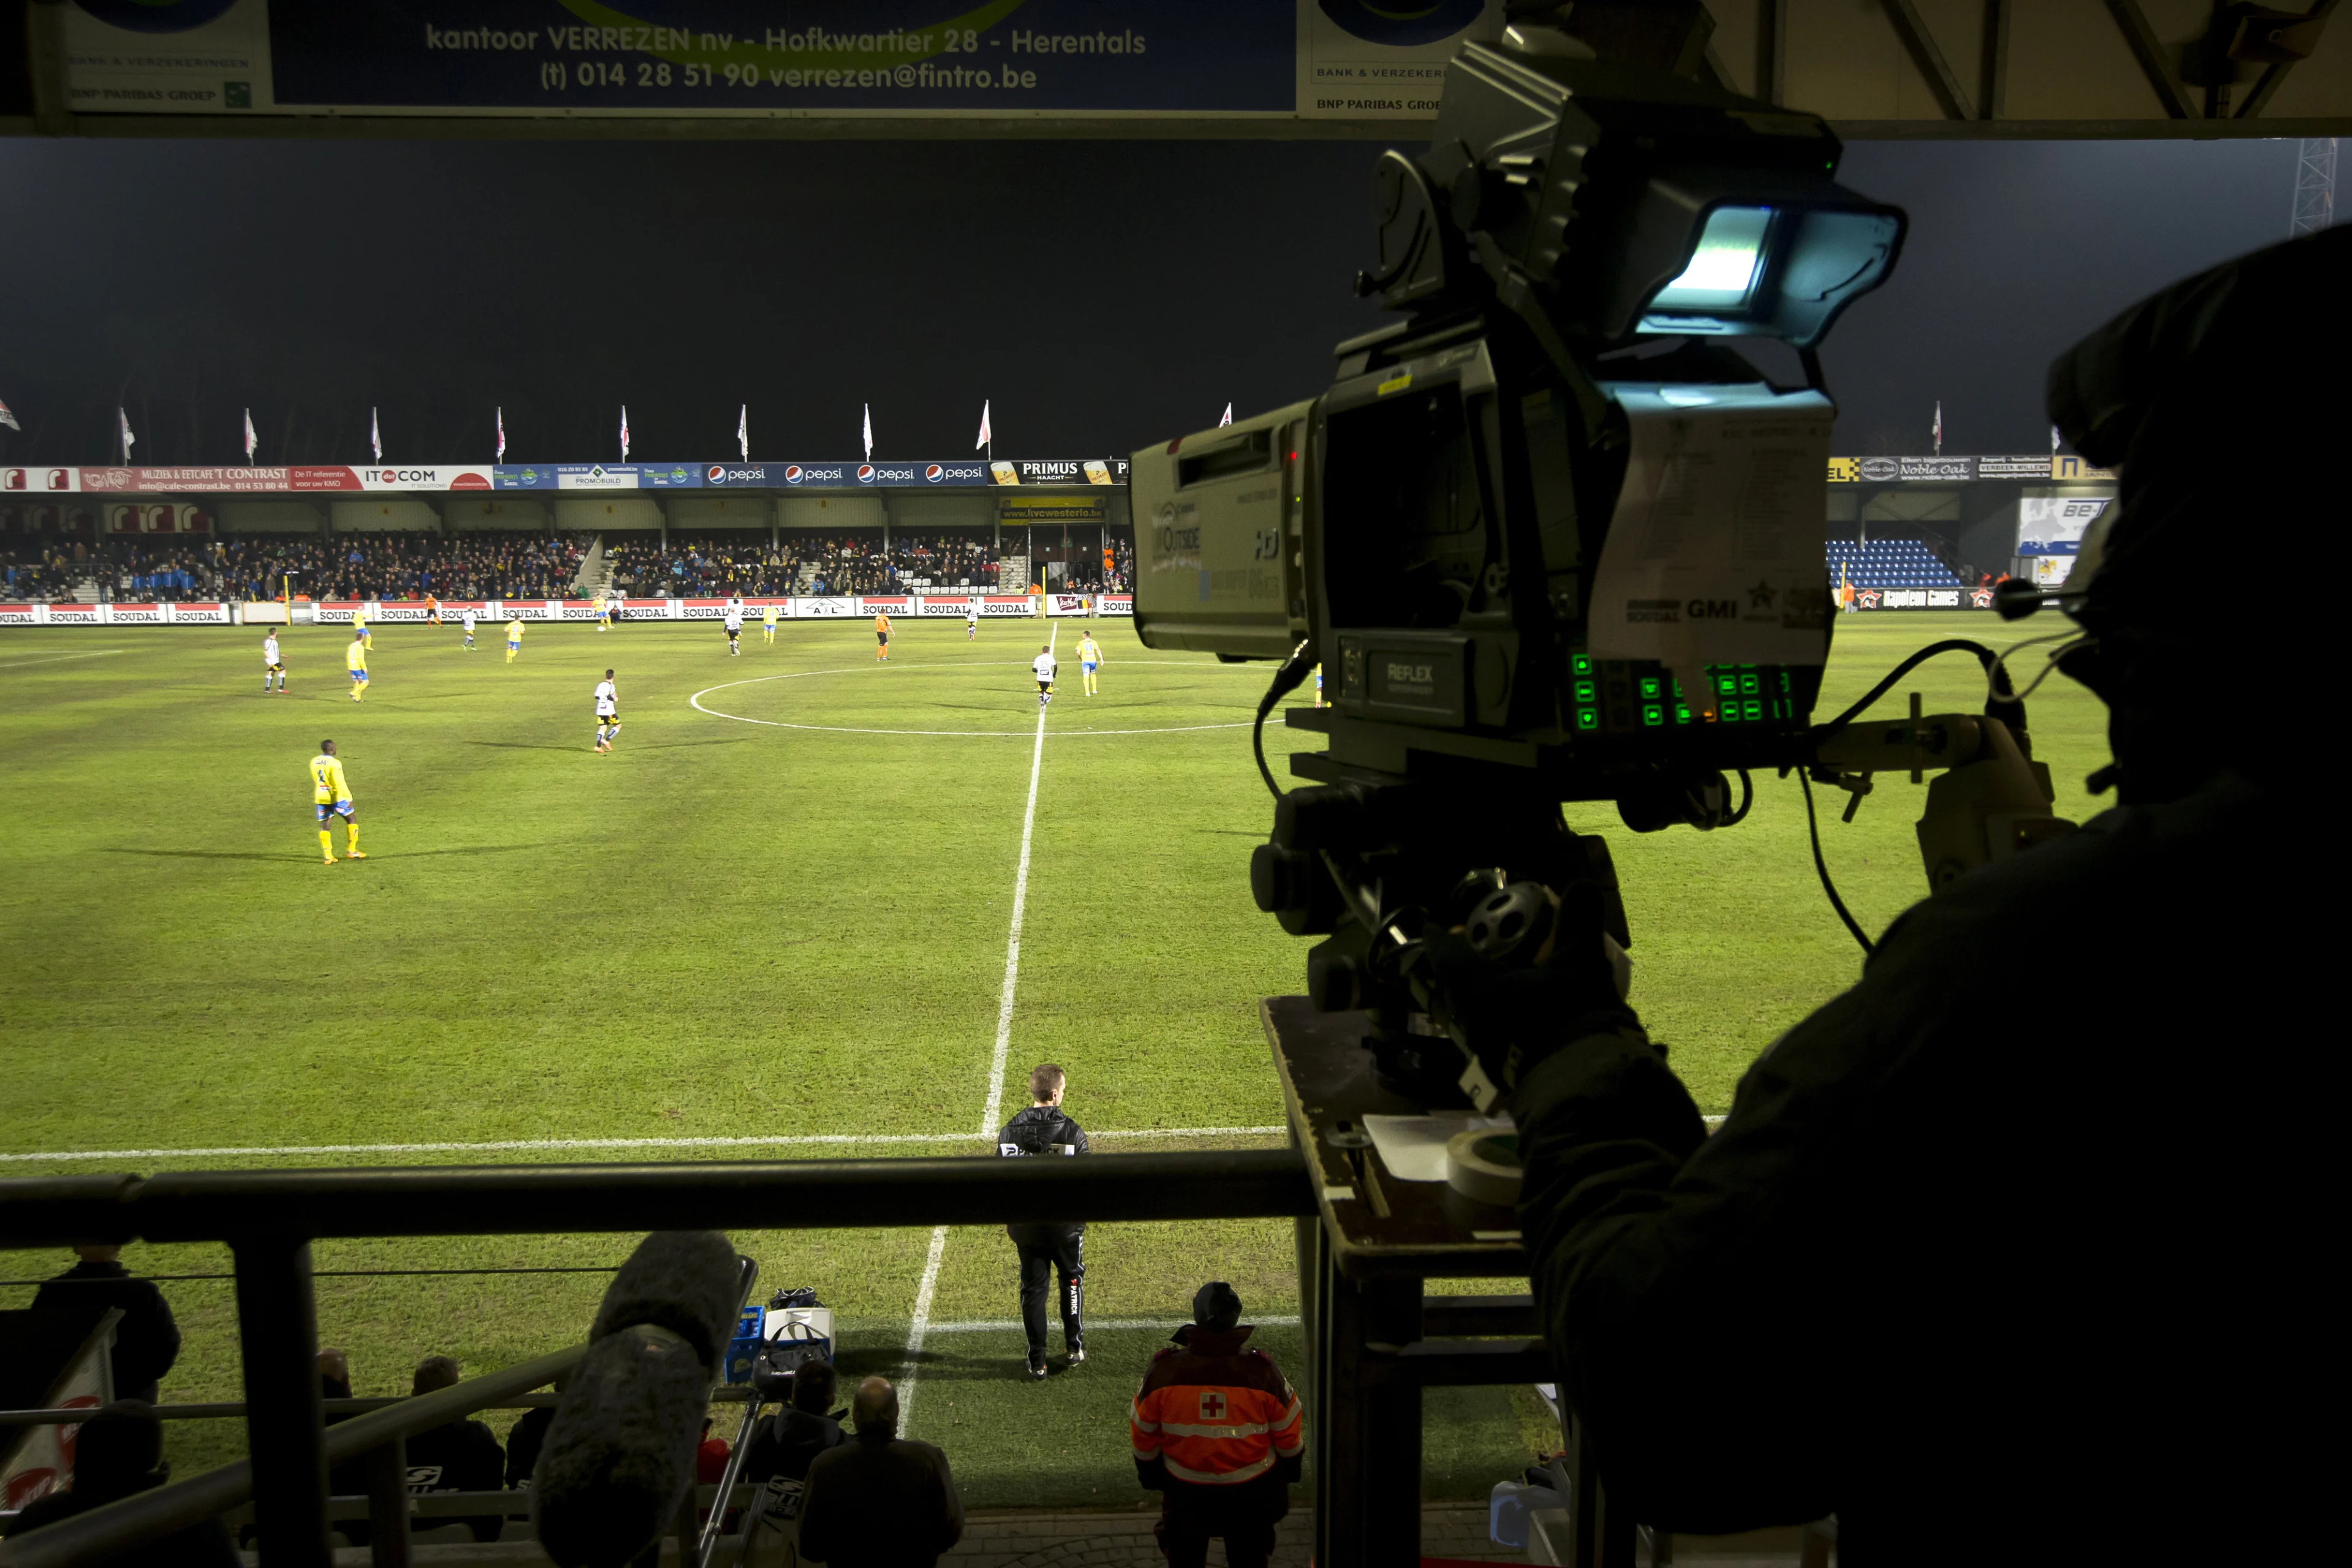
(1126, 59)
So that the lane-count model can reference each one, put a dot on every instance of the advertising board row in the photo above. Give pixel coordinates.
(2053, 467)
(396, 612)
(336, 480)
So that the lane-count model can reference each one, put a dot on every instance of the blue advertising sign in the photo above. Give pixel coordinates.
(893, 56)
(523, 477)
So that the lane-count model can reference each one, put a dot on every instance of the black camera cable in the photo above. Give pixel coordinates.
(1285, 680)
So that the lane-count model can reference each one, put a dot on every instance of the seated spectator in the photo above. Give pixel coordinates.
(530, 1434)
(787, 1442)
(146, 1340)
(349, 1479)
(120, 1452)
(459, 1455)
(883, 1500)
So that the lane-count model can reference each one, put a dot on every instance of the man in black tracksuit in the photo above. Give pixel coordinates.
(1048, 1247)
(2037, 1210)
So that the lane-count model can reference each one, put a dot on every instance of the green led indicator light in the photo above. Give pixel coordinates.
(1584, 691)
(1586, 719)
(1726, 686)
(1682, 713)
(1649, 686)
(1653, 714)
(1747, 683)
(1751, 710)
(1582, 664)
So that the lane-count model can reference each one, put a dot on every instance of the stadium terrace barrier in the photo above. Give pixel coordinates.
(396, 612)
(270, 1218)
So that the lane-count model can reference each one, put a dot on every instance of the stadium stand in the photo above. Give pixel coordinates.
(1887, 563)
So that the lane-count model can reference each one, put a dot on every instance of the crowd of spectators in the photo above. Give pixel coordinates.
(494, 566)
(402, 567)
(254, 567)
(841, 564)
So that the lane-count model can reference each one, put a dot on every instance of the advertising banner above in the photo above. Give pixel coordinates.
(329, 478)
(1129, 59)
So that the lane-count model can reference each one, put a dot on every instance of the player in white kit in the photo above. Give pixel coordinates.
(971, 622)
(271, 665)
(469, 630)
(1043, 668)
(608, 712)
(735, 626)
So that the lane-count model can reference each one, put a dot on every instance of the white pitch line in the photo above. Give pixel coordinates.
(519, 1144)
(922, 1326)
(911, 1377)
(61, 658)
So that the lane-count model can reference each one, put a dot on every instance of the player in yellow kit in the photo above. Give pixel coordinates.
(1090, 660)
(359, 625)
(514, 639)
(331, 794)
(356, 656)
(768, 622)
(881, 638)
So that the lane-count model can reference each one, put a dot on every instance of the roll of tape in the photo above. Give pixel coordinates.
(1484, 1166)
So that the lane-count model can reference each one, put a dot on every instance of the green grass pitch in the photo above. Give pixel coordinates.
(780, 908)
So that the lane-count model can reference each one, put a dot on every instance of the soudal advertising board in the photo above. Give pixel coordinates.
(198, 614)
(405, 610)
(702, 609)
(644, 609)
(821, 609)
(889, 605)
(77, 615)
(334, 612)
(582, 610)
(36, 482)
(120, 615)
(948, 607)
(1008, 604)
(21, 615)
(530, 609)
(1066, 604)
(1114, 604)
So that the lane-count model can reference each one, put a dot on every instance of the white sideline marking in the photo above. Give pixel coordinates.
(982, 1326)
(514, 1144)
(61, 658)
(911, 1377)
(922, 1323)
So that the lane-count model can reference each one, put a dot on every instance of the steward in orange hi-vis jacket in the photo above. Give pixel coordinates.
(1216, 1433)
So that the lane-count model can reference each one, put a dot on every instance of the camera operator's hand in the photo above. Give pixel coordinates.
(1518, 1008)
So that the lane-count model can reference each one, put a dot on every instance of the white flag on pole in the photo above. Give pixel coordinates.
(743, 431)
(868, 430)
(499, 415)
(375, 437)
(1937, 434)
(251, 440)
(2054, 440)
(9, 418)
(1228, 416)
(624, 432)
(986, 435)
(123, 419)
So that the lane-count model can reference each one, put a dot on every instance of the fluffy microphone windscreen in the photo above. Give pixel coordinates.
(620, 1452)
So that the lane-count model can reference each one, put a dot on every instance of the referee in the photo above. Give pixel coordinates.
(1047, 1246)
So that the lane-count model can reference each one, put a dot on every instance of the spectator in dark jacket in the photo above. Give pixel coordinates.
(119, 1453)
(882, 1502)
(786, 1443)
(460, 1455)
(528, 1436)
(146, 1341)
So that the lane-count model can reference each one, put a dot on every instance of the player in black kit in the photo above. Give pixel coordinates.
(1048, 1247)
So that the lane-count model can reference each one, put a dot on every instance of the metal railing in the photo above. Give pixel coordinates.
(268, 1218)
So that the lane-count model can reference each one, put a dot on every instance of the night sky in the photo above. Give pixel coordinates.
(1103, 295)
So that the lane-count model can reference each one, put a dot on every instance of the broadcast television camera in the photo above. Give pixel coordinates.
(1548, 536)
